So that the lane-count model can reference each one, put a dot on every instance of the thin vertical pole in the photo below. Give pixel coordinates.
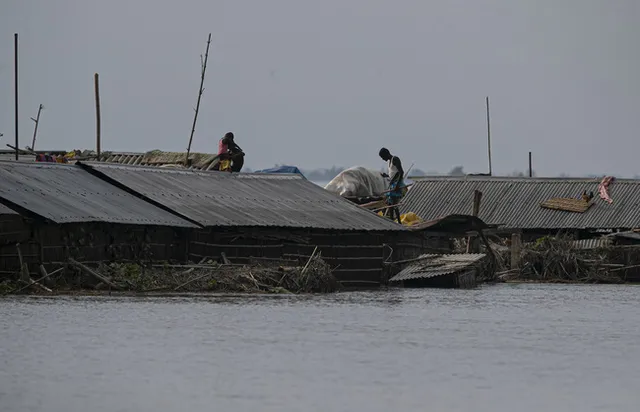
(530, 167)
(489, 137)
(15, 38)
(203, 69)
(97, 87)
(35, 129)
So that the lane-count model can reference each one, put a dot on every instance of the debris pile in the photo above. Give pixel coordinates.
(557, 259)
(315, 277)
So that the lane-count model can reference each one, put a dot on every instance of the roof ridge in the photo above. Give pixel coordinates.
(518, 178)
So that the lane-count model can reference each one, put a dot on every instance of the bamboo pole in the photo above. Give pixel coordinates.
(15, 40)
(97, 92)
(203, 70)
(37, 282)
(304, 269)
(93, 273)
(35, 129)
(489, 137)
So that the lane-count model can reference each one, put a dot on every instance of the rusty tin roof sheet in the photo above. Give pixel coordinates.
(65, 193)
(515, 202)
(430, 266)
(243, 199)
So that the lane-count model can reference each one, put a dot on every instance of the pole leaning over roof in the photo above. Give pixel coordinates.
(15, 41)
(35, 129)
(203, 69)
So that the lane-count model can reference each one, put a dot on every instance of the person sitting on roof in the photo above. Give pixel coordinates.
(396, 185)
(230, 155)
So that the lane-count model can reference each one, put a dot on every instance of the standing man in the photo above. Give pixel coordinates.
(231, 157)
(396, 185)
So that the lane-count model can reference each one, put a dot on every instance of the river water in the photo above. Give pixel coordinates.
(498, 348)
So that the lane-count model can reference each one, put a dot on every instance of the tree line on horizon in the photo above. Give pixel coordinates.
(325, 175)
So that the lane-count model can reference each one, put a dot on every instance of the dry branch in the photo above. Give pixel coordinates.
(557, 259)
(315, 276)
(93, 273)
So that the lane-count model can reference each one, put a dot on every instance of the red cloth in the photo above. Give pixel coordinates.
(603, 188)
(222, 147)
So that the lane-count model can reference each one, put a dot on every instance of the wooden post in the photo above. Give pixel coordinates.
(35, 129)
(97, 89)
(477, 198)
(15, 41)
(530, 167)
(489, 137)
(203, 69)
(516, 248)
(24, 269)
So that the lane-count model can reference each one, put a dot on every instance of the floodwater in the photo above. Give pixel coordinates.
(498, 348)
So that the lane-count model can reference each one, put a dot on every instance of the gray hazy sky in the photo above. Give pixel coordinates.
(317, 83)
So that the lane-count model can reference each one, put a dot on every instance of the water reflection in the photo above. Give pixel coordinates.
(498, 348)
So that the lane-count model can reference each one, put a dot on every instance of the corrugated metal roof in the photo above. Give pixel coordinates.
(452, 224)
(4, 210)
(21, 157)
(515, 202)
(200, 161)
(243, 199)
(595, 243)
(627, 235)
(66, 193)
(24, 156)
(430, 266)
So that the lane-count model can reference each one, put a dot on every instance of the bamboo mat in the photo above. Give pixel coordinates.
(567, 204)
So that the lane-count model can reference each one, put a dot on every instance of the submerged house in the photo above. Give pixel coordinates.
(61, 211)
(101, 212)
(263, 216)
(513, 204)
